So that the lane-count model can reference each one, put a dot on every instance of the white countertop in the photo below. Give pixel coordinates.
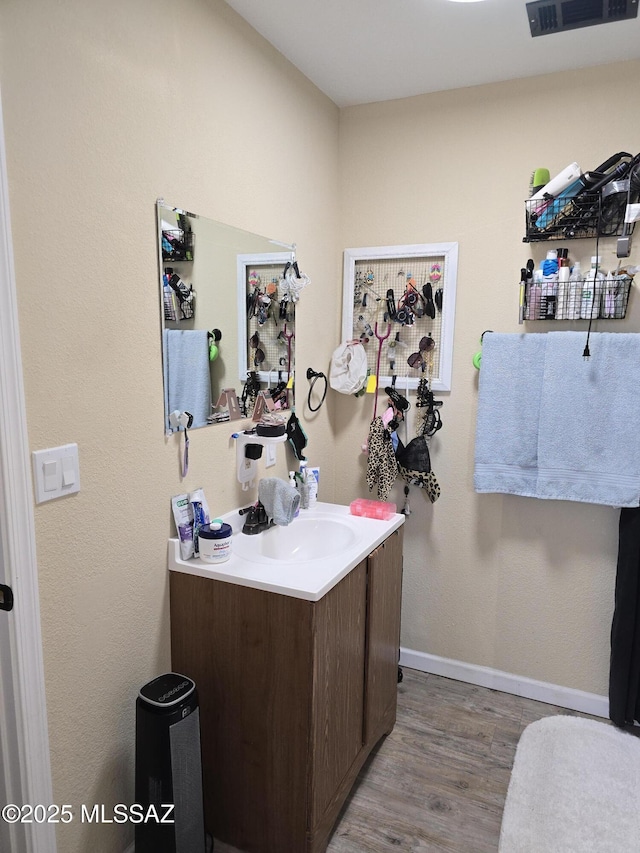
(310, 580)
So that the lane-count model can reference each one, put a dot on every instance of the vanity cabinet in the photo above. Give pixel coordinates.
(294, 694)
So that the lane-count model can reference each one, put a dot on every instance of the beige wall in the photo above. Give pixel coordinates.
(518, 584)
(108, 106)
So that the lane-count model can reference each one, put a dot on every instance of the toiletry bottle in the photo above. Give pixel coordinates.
(533, 297)
(562, 294)
(303, 486)
(310, 478)
(315, 482)
(574, 294)
(592, 290)
(549, 289)
(621, 293)
(563, 284)
(609, 297)
(292, 483)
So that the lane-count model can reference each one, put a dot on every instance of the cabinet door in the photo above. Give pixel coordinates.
(384, 593)
(250, 654)
(338, 694)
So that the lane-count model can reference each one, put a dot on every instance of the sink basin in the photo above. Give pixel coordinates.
(302, 541)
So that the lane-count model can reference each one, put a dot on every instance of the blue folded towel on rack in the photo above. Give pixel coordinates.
(509, 391)
(588, 448)
(556, 426)
(187, 382)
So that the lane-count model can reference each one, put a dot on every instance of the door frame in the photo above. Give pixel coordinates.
(24, 734)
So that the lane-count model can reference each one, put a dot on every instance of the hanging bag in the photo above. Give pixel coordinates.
(348, 372)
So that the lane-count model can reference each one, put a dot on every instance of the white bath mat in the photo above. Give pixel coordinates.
(575, 788)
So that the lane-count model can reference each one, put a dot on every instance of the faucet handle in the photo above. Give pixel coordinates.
(251, 524)
(257, 520)
(263, 520)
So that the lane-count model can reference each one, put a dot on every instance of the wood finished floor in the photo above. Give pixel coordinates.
(438, 782)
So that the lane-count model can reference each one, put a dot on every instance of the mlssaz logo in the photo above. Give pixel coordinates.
(134, 813)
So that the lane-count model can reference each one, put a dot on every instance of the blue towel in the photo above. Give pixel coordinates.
(279, 499)
(510, 387)
(187, 383)
(553, 425)
(588, 447)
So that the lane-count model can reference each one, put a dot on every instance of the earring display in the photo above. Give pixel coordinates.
(411, 289)
(270, 306)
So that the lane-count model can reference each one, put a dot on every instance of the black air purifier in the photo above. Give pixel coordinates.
(169, 767)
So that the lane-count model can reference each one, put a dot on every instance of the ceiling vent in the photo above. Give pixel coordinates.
(557, 16)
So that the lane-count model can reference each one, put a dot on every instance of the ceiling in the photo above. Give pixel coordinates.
(361, 51)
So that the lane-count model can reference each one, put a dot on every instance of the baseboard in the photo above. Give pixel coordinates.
(495, 679)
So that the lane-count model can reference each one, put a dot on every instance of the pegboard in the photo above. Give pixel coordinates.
(267, 332)
(396, 290)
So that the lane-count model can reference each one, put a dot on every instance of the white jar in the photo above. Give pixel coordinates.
(214, 542)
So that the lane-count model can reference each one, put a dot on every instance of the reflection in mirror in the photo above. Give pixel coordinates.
(228, 323)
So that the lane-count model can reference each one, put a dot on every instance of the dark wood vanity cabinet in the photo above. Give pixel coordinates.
(294, 694)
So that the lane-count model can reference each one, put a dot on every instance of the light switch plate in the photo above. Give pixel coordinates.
(55, 472)
(270, 455)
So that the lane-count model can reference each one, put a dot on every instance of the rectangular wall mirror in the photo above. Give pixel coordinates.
(227, 333)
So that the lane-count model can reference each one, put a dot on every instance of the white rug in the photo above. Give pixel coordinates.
(575, 788)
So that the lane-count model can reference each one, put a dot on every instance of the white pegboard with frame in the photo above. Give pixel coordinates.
(408, 292)
(266, 337)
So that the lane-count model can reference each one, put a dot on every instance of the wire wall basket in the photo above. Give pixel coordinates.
(578, 300)
(598, 214)
(177, 245)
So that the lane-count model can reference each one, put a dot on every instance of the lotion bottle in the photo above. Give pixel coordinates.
(313, 486)
(575, 293)
(592, 291)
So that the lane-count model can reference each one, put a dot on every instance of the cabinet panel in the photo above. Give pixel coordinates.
(384, 596)
(293, 696)
(249, 653)
(338, 700)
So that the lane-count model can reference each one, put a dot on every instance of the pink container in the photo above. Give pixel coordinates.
(372, 509)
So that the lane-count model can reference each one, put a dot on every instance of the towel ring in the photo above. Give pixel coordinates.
(313, 377)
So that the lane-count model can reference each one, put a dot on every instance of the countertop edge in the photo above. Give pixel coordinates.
(256, 575)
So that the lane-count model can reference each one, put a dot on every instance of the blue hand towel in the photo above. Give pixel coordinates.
(186, 374)
(279, 499)
(510, 386)
(588, 449)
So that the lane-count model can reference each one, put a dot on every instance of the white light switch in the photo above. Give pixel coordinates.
(56, 472)
(68, 471)
(49, 475)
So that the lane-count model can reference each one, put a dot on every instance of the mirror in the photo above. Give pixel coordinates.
(228, 326)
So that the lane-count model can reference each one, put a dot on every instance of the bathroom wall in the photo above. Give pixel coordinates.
(517, 584)
(106, 108)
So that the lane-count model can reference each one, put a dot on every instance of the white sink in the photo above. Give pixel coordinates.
(305, 540)
(304, 560)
